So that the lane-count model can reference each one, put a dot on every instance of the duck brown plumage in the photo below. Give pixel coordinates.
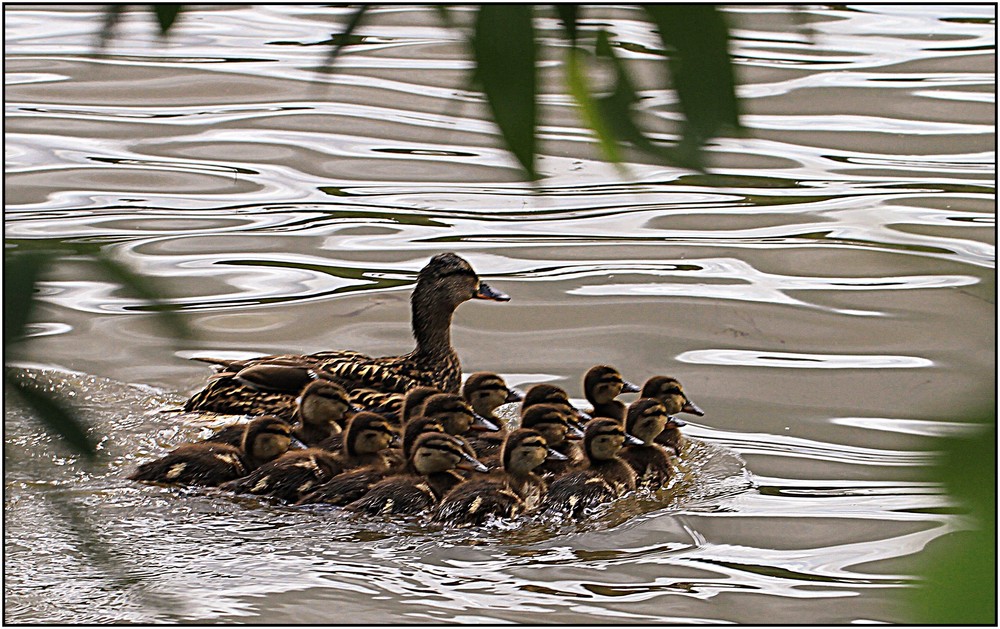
(289, 476)
(207, 463)
(442, 285)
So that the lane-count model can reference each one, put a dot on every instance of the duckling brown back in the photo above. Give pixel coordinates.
(505, 495)
(289, 476)
(208, 463)
(430, 475)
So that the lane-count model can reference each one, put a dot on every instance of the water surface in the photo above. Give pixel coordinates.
(826, 294)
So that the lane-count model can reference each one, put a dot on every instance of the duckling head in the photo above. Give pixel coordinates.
(368, 433)
(323, 403)
(669, 391)
(647, 417)
(603, 438)
(413, 402)
(603, 383)
(455, 414)
(486, 391)
(418, 426)
(436, 452)
(548, 419)
(266, 438)
(551, 394)
(524, 450)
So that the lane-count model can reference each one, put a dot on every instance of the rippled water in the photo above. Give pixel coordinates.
(827, 295)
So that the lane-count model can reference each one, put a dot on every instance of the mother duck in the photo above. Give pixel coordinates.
(258, 385)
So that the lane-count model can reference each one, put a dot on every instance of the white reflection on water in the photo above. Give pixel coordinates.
(793, 360)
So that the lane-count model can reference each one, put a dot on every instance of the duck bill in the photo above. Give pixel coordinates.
(484, 424)
(675, 422)
(630, 387)
(691, 407)
(485, 291)
(574, 430)
(555, 455)
(514, 395)
(469, 462)
(632, 440)
(295, 444)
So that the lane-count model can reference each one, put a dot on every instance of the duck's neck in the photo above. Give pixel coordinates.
(431, 327)
(612, 408)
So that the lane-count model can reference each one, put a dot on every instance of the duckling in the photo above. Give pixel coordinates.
(551, 394)
(364, 442)
(291, 475)
(442, 285)
(554, 424)
(206, 463)
(486, 391)
(456, 415)
(605, 478)
(429, 475)
(353, 484)
(515, 490)
(601, 385)
(670, 392)
(647, 417)
(319, 411)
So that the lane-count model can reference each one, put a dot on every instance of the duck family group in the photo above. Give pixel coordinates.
(402, 435)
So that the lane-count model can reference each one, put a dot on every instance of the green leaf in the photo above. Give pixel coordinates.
(567, 15)
(342, 39)
(442, 12)
(590, 109)
(112, 14)
(20, 274)
(960, 569)
(57, 417)
(141, 286)
(166, 15)
(617, 110)
(503, 47)
(696, 39)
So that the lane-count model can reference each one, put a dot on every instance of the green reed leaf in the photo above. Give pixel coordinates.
(342, 39)
(696, 40)
(143, 287)
(21, 271)
(503, 47)
(567, 16)
(590, 108)
(166, 16)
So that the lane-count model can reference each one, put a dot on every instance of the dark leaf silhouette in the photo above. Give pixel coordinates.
(503, 46)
